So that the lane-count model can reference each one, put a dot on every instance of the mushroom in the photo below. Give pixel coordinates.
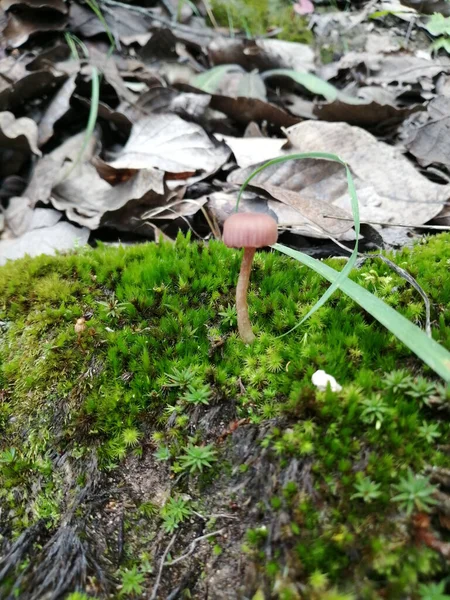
(248, 231)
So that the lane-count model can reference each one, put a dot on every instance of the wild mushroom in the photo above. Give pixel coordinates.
(248, 231)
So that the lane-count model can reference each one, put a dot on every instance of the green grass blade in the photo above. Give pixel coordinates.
(93, 112)
(427, 349)
(355, 209)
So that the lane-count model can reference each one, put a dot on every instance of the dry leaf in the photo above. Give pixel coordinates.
(171, 144)
(371, 114)
(244, 110)
(261, 54)
(431, 142)
(57, 108)
(18, 134)
(58, 5)
(251, 150)
(21, 27)
(389, 187)
(86, 197)
(45, 240)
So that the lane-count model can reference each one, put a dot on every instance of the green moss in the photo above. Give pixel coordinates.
(257, 17)
(159, 353)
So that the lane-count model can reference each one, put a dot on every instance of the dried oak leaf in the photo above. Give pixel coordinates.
(171, 144)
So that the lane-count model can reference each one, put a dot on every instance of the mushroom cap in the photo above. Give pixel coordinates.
(249, 230)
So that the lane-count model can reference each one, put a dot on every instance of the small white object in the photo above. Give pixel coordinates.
(321, 379)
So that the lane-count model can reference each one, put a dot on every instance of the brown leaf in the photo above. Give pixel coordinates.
(23, 26)
(261, 54)
(371, 114)
(245, 110)
(168, 143)
(429, 7)
(431, 142)
(57, 108)
(58, 5)
(389, 187)
(33, 85)
(18, 134)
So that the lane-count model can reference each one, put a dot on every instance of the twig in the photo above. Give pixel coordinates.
(438, 227)
(215, 516)
(161, 567)
(192, 547)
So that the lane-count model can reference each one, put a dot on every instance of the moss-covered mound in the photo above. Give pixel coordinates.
(145, 452)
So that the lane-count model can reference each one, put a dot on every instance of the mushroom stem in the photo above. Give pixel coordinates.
(244, 325)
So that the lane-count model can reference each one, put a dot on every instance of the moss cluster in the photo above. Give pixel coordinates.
(155, 356)
(257, 17)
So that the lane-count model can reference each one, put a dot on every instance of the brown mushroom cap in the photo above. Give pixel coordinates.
(249, 230)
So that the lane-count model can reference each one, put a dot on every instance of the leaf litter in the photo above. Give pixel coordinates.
(176, 99)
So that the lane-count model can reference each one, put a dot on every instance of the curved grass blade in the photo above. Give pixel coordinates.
(355, 210)
(427, 349)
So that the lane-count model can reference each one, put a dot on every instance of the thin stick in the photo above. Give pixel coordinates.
(438, 227)
(192, 547)
(161, 567)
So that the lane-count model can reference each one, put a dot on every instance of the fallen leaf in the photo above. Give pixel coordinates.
(261, 54)
(21, 27)
(45, 240)
(252, 150)
(251, 85)
(379, 69)
(57, 108)
(429, 6)
(18, 134)
(168, 100)
(364, 114)
(245, 110)
(58, 5)
(87, 198)
(20, 216)
(121, 21)
(171, 144)
(19, 87)
(389, 187)
(431, 142)
(52, 168)
(281, 181)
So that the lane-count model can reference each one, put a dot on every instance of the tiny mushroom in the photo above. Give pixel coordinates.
(248, 231)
